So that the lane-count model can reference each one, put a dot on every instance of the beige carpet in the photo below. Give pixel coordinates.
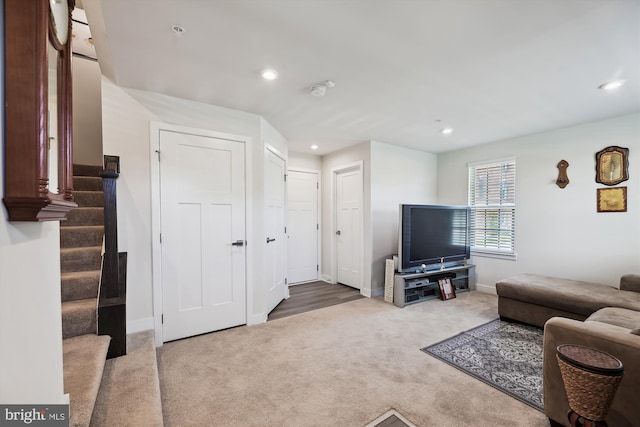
(338, 366)
(129, 393)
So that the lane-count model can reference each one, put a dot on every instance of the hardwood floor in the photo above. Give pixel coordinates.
(311, 296)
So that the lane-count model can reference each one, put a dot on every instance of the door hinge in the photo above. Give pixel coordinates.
(162, 318)
(160, 237)
(285, 230)
(158, 153)
(285, 177)
(285, 280)
(317, 226)
(317, 185)
(317, 267)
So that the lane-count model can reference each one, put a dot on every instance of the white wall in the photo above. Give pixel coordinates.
(398, 175)
(304, 161)
(30, 305)
(270, 136)
(350, 155)
(87, 112)
(127, 114)
(558, 231)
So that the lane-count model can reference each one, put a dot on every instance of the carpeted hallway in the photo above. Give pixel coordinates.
(343, 365)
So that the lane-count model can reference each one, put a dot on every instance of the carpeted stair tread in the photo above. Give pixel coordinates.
(80, 285)
(84, 358)
(81, 236)
(87, 183)
(86, 170)
(80, 259)
(89, 198)
(84, 216)
(79, 317)
(130, 391)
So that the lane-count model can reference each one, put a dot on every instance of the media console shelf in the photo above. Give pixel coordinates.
(410, 288)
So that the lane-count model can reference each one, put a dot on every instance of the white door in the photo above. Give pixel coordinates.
(303, 227)
(203, 231)
(349, 227)
(275, 245)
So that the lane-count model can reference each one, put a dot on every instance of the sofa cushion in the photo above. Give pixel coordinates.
(573, 296)
(622, 317)
(635, 331)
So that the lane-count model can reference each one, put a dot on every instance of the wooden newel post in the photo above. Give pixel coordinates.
(110, 270)
(112, 315)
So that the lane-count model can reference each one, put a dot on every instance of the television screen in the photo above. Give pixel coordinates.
(431, 233)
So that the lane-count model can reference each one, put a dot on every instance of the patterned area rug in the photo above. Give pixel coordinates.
(507, 356)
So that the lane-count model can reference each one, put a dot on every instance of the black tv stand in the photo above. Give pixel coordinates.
(411, 288)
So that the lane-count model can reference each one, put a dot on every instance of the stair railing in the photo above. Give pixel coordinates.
(112, 313)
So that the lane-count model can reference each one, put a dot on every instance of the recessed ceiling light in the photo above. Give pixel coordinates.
(178, 29)
(614, 84)
(446, 131)
(314, 147)
(269, 74)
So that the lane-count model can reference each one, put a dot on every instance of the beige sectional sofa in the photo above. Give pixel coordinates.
(583, 313)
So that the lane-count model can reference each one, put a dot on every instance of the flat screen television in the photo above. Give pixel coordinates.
(432, 235)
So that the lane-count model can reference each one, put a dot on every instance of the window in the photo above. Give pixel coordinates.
(492, 198)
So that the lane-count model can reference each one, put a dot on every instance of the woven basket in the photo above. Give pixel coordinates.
(589, 394)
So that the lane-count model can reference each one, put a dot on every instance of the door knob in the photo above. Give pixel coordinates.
(238, 243)
(338, 232)
(270, 240)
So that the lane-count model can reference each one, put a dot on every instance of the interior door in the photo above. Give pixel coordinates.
(203, 232)
(274, 249)
(303, 227)
(349, 227)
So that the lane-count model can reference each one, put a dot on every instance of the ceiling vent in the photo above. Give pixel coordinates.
(178, 29)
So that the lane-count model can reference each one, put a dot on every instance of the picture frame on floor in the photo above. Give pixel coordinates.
(447, 290)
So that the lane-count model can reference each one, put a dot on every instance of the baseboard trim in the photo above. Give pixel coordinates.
(377, 292)
(257, 319)
(487, 289)
(327, 278)
(139, 325)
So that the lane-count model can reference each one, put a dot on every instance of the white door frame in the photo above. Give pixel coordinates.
(156, 252)
(319, 208)
(359, 167)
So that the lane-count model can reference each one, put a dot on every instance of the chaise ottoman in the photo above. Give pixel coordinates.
(534, 299)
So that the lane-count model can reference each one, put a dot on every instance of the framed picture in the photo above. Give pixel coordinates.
(447, 290)
(612, 199)
(612, 165)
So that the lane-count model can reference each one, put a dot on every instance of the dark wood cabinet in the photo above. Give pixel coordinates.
(38, 118)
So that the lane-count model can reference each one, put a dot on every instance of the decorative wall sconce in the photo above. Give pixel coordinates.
(563, 179)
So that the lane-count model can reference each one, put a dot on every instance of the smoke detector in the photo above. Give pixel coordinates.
(318, 90)
(321, 88)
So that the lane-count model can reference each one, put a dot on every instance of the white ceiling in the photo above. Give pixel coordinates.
(491, 69)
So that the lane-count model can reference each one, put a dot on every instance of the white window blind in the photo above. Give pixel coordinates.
(492, 198)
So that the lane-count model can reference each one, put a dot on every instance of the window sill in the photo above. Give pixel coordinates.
(494, 254)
